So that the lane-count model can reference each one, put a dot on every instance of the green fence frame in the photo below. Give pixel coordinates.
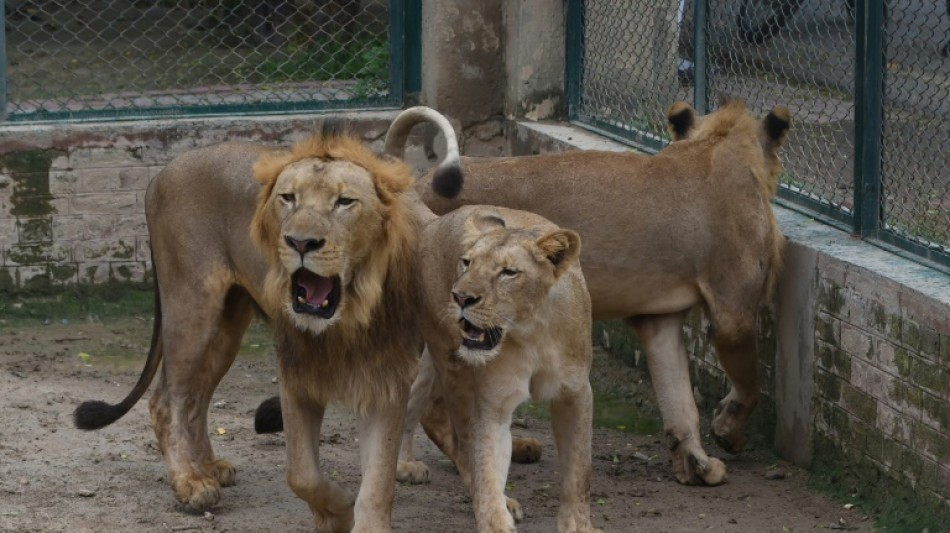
(405, 80)
(867, 220)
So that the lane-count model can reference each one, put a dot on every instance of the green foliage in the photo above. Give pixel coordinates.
(364, 60)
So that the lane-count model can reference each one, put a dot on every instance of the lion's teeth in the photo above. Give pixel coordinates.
(301, 300)
(481, 337)
(324, 303)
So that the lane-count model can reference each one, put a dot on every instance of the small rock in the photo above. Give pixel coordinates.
(776, 473)
(220, 405)
(274, 380)
(733, 521)
(641, 456)
(86, 493)
(23, 481)
(208, 516)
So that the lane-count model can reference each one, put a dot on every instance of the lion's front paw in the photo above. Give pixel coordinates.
(415, 472)
(514, 508)
(525, 450)
(197, 492)
(223, 471)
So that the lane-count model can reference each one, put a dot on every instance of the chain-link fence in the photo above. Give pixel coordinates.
(133, 58)
(868, 86)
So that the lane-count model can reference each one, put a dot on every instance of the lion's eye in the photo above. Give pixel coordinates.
(288, 197)
(464, 262)
(510, 272)
(343, 201)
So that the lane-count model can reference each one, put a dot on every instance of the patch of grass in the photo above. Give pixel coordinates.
(110, 300)
(611, 411)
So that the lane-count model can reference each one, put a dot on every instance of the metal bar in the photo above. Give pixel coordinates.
(413, 51)
(574, 40)
(868, 120)
(397, 48)
(3, 60)
(700, 75)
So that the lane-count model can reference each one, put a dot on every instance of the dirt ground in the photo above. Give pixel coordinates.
(56, 478)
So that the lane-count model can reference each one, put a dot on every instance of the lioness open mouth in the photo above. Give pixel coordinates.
(314, 294)
(479, 339)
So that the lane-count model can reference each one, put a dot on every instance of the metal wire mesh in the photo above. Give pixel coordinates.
(77, 58)
(797, 53)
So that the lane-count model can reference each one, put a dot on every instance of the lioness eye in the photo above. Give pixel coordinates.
(288, 197)
(465, 262)
(343, 201)
(509, 272)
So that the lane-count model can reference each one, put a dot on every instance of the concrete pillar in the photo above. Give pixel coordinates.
(795, 357)
(462, 59)
(535, 59)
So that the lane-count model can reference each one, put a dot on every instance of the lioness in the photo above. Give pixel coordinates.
(325, 244)
(691, 225)
(506, 316)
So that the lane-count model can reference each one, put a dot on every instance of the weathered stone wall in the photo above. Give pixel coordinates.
(72, 195)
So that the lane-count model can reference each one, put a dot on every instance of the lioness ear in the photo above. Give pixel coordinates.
(681, 119)
(775, 127)
(482, 223)
(561, 247)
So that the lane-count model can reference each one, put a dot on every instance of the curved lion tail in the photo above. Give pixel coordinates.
(96, 414)
(447, 180)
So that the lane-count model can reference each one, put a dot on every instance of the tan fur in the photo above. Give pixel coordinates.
(512, 269)
(356, 211)
(691, 225)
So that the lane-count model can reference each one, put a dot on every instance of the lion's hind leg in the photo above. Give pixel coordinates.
(200, 343)
(662, 338)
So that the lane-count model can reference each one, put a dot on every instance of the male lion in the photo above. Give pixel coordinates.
(506, 316)
(691, 225)
(326, 246)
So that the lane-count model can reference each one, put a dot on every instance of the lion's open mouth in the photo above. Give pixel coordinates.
(314, 294)
(479, 339)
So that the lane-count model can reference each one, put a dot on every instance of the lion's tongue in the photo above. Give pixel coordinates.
(317, 287)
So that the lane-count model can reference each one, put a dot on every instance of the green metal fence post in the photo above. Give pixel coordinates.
(3, 60)
(413, 51)
(868, 119)
(574, 40)
(397, 50)
(700, 79)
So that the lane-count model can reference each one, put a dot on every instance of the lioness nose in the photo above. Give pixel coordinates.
(465, 300)
(305, 245)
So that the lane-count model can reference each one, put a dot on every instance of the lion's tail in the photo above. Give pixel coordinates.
(447, 180)
(96, 414)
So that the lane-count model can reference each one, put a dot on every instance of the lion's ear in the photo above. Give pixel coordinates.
(561, 247)
(681, 118)
(775, 127)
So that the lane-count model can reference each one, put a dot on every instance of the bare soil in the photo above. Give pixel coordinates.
(56, 478)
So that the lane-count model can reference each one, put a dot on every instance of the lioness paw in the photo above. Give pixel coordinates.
(525, 450)
(197, 492)
(514, 508)
(414, 472)
(223, 471)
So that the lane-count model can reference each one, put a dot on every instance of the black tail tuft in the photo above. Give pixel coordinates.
(96, 414)
(268, 418)
(447, 182)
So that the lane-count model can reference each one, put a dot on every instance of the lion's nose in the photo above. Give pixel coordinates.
(464, 300)
(305, 245)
